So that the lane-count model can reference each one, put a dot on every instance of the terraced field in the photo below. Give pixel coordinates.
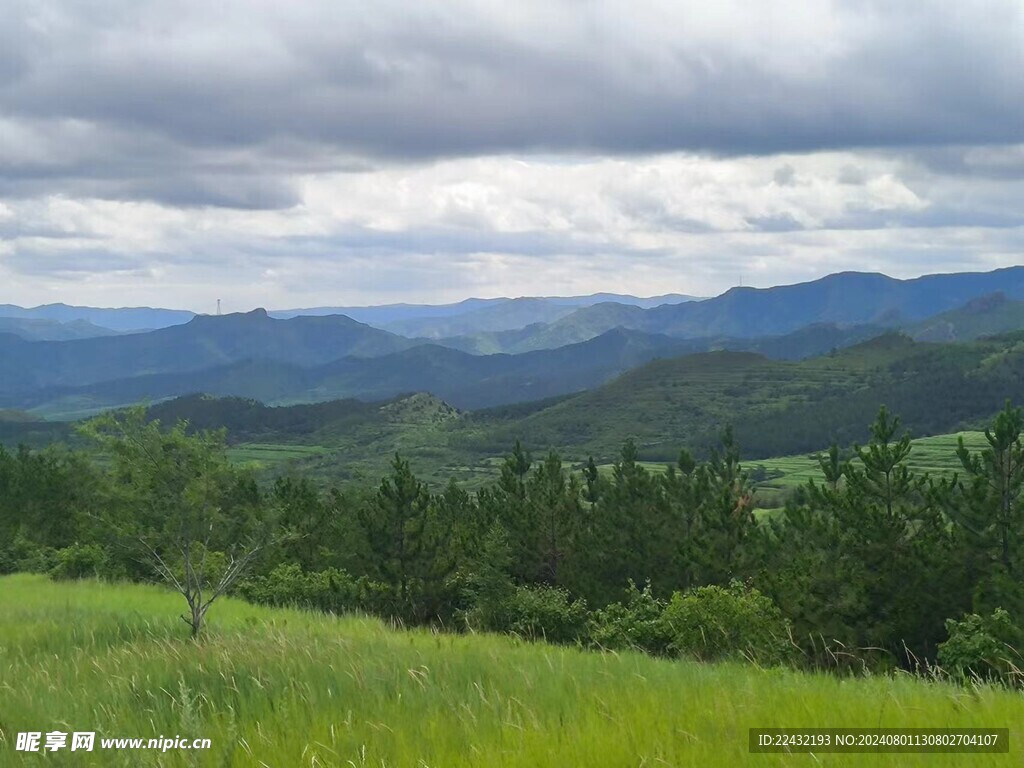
(935, 455)
(271, 455)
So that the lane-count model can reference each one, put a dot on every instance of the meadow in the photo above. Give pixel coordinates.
(286, 688)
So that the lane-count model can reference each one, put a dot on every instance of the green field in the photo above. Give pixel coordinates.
(935, 455)
(287, 688)
(271, 455)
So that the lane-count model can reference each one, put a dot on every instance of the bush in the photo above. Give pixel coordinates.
(8, 560)
(547, 613)
(331, 590)
(637, 624)
(80, 561)
(29, 557)
(983, 646)
(713, 623)
(533, 612)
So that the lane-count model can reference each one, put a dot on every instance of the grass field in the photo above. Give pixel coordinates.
(286, 689)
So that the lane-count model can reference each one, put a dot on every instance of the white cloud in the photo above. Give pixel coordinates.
(517, 225)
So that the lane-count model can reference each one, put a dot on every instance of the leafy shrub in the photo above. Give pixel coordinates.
(8, 560)
(331, 590)
(713, 623)
(26, 556)
(547, 613)
(983, 646)
(637, 624)
(80, 561)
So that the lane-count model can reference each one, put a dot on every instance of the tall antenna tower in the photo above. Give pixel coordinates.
(218, 307)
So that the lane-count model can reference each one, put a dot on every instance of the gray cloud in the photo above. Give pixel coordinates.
(783, 222)
(157, 86)
(309, 148)
(785, 175)
(73, 264)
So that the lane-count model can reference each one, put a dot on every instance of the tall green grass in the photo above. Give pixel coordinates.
(286, 689)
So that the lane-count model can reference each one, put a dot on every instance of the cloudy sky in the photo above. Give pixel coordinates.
(335, 152)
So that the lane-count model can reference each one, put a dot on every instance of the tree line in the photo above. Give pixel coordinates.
(873, 566)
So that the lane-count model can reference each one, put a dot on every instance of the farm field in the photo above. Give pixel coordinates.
(275, 687)
(271, 455)
(935, 455)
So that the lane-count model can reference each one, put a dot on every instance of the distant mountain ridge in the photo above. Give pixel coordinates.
(466, 381)
(41, 329)
(845, 298)
(120, 319)
(311, 358)
(204, 342)
(477, 315)
(134, 319)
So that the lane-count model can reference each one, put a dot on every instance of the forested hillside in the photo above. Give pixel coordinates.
(776, 407)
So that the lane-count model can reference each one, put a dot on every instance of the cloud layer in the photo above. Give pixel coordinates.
(337, 152)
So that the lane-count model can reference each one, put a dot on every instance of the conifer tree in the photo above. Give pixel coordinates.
(987, 508)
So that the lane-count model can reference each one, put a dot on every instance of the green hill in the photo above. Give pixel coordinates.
(776, 407)
(685, 401)
(984, 316)
(287, 688)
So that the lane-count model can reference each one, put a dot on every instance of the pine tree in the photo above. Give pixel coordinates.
(986, 506)
(408, 544)
(555, 499)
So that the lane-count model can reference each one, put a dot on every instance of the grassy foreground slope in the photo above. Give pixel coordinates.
(286, 688)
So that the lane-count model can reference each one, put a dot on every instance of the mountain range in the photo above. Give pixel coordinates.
(121, 319)
(41, 329)
(846, 298)
(63, 321)
(310, 358)
(776, 408)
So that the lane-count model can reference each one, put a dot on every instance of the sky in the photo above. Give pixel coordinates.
(339, 152)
